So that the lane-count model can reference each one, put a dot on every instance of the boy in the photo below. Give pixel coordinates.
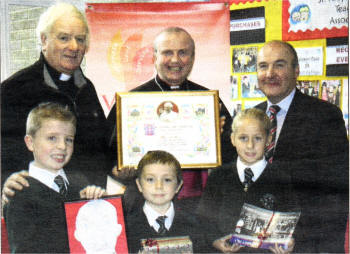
(35, 217)
(232, 185)
(159, 179)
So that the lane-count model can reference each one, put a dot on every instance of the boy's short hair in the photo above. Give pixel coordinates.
(253, 113)
(162, 157)
(45, 111)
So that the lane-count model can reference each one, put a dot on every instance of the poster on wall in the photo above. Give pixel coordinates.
(309, 87)
(244, 59)
(337, 56)
(310, 61)
(120, 56)
(331, 91)
(249, 87)
(247, 26)
(314, 19)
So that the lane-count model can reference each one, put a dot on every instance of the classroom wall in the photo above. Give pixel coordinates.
(312, 53)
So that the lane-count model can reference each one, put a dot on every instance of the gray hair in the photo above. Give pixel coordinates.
(53, 13)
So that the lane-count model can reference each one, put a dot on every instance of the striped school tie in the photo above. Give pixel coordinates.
(274, 109)
(161, 221)
(248, 176)
(60, 183)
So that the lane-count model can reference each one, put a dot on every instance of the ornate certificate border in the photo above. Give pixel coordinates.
(184, 123)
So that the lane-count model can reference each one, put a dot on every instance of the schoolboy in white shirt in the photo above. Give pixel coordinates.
(35, 217)
(249, 179)
(159, 179)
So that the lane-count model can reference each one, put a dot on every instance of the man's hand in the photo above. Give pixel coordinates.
(92, 192)
(15, 182)
(222, 245)
(280, 250)
(124, 173)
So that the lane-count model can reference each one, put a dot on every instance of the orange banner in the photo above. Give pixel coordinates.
(120, 53)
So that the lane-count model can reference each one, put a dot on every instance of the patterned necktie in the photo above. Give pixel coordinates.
(274, 109)
(161, 221)
(248, 176)
(60, 183)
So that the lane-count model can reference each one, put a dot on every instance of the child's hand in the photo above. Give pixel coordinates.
(280, 250)
(92, 192)
(224, 247)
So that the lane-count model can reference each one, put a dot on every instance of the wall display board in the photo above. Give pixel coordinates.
(321, 44)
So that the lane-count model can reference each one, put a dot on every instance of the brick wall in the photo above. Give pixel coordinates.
(23, 43)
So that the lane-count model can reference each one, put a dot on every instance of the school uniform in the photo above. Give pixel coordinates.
(311, 136)
(35, 216)
(225, 194)
(141, 224)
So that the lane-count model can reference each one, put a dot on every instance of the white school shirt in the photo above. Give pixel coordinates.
(46, 177)
(281, 115)
(152, 215)
(257, 168)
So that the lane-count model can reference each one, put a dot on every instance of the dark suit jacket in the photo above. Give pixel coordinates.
(314, 142)
(184, 224)
(224, 196)
(35, 217)
(34, 85)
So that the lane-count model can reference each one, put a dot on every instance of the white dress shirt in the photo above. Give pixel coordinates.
(46, 177)
(257, 168)
(152, 215)
(281, 115)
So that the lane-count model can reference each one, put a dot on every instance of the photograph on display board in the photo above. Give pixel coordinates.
(234, 87)
(244, 59)
(309, 87)
(331, 91)
(250, 87)
(96, 226)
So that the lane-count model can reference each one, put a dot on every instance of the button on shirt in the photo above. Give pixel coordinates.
(46, 177)
(281, 116)
(257, 168)
(152, 215)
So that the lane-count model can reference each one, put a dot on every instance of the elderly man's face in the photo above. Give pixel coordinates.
(276, 74)
(64, 47)
(174, 58)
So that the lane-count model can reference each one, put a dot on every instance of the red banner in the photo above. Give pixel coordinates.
(120, 54)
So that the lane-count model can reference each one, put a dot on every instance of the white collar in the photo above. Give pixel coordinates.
(47, 177)
(65, 77)
(152, 215)
(283, 104)
(257, 168)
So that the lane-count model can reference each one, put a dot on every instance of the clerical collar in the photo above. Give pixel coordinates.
(65, 77)
(165, 87)
(54, 73)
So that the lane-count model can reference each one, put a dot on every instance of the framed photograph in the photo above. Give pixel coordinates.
(184, 123)
(96, 226)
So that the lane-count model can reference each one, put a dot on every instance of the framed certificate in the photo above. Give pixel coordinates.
(184, 123)
(96, 226)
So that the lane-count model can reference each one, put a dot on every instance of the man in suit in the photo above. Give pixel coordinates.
(311, 137)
